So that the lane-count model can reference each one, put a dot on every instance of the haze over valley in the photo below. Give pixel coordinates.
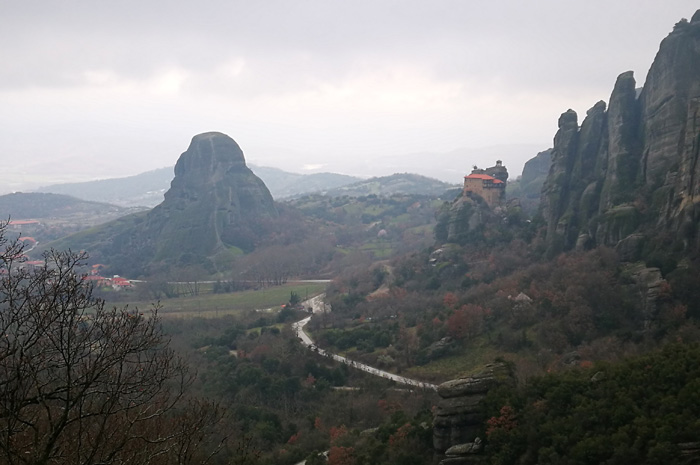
(273, 251)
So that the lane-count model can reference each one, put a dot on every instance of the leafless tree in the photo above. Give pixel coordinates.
(84, 384)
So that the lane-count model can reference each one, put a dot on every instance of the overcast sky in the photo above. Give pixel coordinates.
(93, 89)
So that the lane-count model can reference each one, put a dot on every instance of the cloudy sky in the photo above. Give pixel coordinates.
(93, 90)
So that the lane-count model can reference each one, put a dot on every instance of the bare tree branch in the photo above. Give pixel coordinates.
(84, 384)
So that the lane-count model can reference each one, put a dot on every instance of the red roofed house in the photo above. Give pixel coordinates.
(489, 184)
(95, 270)
(120, 283)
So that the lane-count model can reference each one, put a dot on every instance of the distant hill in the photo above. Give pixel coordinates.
(400, 183)
(147, 189)
(56, 215)
(283, 184)
(36, 205)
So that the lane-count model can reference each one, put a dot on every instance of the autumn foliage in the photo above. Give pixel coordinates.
(467, 321)
(341, 456)
(503, 422)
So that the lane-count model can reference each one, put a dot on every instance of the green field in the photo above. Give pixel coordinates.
(216, 305)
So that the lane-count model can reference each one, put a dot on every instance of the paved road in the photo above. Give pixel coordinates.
(318, 306)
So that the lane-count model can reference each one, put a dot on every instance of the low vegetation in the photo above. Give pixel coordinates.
(206, 303)
(642, 410)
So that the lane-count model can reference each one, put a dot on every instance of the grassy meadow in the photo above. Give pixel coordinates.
(210, 305)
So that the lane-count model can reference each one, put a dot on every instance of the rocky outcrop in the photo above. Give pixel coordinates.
(529, 186)
(464, 454)
(536, 168)
(622, 158)
(214, 201)
(467, 216)
(215, 206)
(478, 210)
(650, 286)
(464, 220)
(630, 248)
(632, 167)
(556, 190)
(689, 452)
(458, 418)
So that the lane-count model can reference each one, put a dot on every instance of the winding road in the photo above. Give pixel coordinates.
(318, 306)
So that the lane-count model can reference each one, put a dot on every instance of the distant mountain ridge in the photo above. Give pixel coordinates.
(284, 184)
(144, 189)
(57, 215)
(33, 205)
(399, 183)
(147, 189)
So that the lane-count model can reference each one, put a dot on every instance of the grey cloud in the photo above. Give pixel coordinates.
(504, 52)
(543, 44)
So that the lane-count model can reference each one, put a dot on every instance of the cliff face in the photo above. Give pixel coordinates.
(214, 200)
(458, 417)
(529, 187)
(478, 211)
(215, 203)
(633, 166)
(468, 219)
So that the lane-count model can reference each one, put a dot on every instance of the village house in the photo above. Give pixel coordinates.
(117, 282)
(120, 283)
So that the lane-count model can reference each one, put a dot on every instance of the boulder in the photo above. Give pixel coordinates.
(465, 449)
(458, 418)
(464, 454)
(649, 283)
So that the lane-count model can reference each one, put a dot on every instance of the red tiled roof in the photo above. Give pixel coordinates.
(484, 177)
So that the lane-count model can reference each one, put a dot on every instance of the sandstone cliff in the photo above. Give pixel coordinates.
(477, 213)
(458, 416)
(632, 167)
(214, 201)
(528, 188)
(467, 219)
(215, 205)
